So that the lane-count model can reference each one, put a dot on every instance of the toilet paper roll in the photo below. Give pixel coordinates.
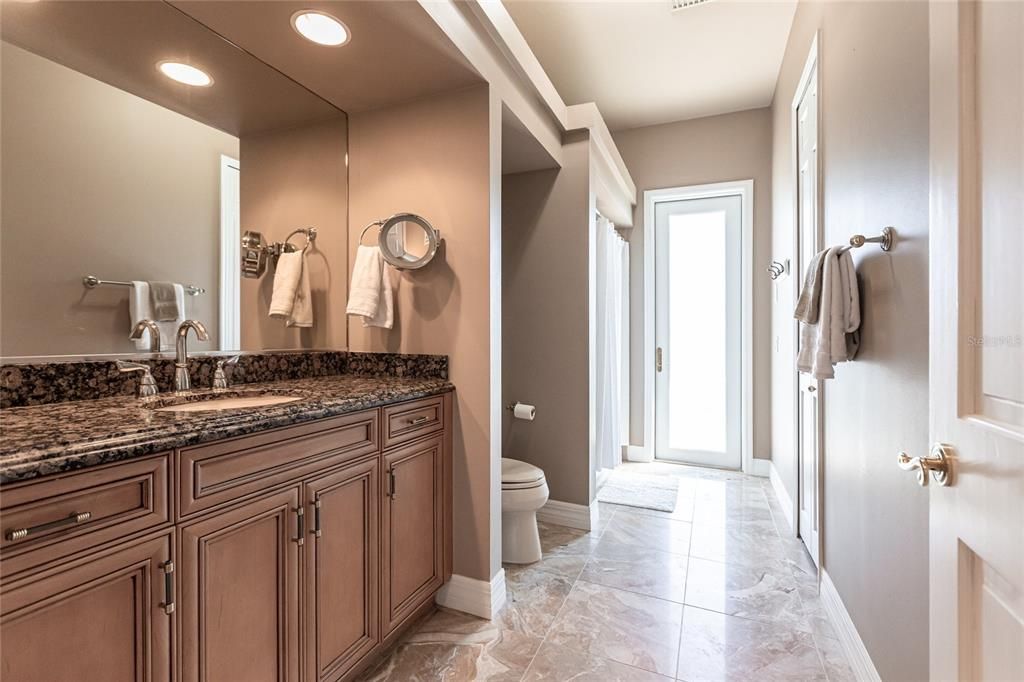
(521, 411)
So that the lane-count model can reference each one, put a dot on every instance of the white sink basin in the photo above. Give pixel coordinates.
(229, 403)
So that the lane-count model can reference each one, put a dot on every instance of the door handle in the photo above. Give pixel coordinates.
(300, 522)
(811, 389)
(391, 484)
(659, 364)
(168, 604)
(939, 465)
(316, 518)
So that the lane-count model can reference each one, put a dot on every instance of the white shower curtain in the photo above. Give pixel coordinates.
(612, 262)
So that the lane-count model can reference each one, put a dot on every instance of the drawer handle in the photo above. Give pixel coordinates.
(419, 420)
(70, 520)
(168, 567)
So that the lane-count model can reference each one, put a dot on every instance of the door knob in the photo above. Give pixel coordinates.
(939, 464)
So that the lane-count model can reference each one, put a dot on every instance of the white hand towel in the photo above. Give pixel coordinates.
(140, 308)
(370, 295)
(817, 351)
(291, 297)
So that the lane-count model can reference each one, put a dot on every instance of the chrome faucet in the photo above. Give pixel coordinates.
(154, 334)
(181, 378)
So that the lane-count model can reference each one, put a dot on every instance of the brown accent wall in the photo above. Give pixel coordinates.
(545, 225)
(695, 152)
(874, 151)
(431, 157)
(98, 181)
(290, 179)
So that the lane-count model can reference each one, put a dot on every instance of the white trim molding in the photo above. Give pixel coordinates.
(568, 514)
(759, 467)
(853, 646)
(785, 501)
(745, 190)
(477, 597)
(638, 453)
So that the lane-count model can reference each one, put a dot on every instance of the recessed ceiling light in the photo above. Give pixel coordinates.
(320, 27)
(185, 73)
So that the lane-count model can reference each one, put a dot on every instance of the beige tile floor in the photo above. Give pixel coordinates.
(712, 591)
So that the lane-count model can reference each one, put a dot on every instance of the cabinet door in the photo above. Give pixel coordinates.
(342, 575)
(98, 617)
(239, 603)
(413, 528)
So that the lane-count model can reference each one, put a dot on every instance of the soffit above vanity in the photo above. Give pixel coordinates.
(121, 43)
(396, 52)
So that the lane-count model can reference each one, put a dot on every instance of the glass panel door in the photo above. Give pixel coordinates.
(697, 303)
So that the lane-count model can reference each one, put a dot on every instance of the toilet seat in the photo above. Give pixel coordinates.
(517, 475)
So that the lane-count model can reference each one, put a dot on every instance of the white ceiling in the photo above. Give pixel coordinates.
(644, 64)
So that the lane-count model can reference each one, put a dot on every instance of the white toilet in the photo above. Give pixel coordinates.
(523, 492)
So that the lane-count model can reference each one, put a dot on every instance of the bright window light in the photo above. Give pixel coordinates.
(185, 73)
(320, 27)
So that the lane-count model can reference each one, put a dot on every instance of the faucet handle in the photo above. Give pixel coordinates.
(147, 385)
(220, 379)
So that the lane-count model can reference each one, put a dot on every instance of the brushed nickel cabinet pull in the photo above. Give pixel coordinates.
(300, 519)
(316, 518)
(391, 484)
(419, 420)
(168, 567)
(70, 520)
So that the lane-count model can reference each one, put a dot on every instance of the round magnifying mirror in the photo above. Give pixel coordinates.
(408, 241)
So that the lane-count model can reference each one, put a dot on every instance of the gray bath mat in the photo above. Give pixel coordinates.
(640, 490)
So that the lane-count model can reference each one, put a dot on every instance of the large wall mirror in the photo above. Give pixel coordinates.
(111, 168)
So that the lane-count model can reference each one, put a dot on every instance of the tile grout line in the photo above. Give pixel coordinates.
(551, 625)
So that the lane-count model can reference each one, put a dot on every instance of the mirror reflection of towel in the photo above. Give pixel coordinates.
(291, 298)
(140, 307)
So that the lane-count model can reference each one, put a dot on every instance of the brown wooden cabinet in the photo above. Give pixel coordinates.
(239, 605)
(101, 616)
(412, 549)
(342, 574)
(298, 554)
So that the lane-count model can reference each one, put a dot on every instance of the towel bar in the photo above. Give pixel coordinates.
(92, 281)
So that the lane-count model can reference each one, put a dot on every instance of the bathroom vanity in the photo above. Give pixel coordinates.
(286, 542)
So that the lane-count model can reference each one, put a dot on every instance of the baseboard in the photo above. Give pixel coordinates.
(477, 597)
(568, 514)
(856, 653)
(785, 501)
(638, 453)
(760, 467)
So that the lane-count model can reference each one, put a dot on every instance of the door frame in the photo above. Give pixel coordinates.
(230, 320)
(812, 68)
(745, 190)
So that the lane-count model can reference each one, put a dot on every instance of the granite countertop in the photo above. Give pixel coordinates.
(47, 439)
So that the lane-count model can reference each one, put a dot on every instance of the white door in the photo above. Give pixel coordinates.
(809, 237)
(698, 331)
(977, 340)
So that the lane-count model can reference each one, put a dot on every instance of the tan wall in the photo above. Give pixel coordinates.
(290, 179)
(545, 221)
(431, 157)
(874, 101)
(98, 181)
(695, 152)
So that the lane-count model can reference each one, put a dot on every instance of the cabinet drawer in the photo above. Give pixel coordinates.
(408, 421)
(76, 511)
(210, 475)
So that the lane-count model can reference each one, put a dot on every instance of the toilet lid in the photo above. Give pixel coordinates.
(514, 471)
